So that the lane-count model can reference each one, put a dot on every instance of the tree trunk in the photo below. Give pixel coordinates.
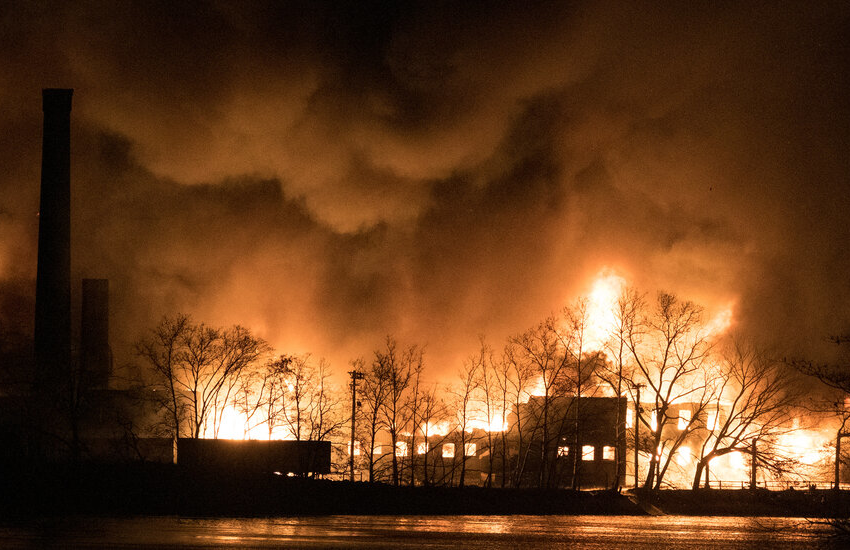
(650, 474)
(698, 474)
(504, 457)
(395, 459)
(489, 481)
(575, 485)
(545, 443)
(413, 457)
(425, 463)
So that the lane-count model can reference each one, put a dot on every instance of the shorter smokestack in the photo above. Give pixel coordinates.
(95, 354)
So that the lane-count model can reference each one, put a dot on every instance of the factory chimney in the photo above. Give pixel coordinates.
(53, 278)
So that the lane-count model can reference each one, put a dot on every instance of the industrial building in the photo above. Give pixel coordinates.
(585, 440)
(70, 410)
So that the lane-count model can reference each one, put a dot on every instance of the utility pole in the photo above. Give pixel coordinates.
(753, 455)
(841, 433)
(355, 376)
(637, 428)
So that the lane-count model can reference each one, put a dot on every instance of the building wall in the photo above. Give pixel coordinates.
(552, 456)
(599, 429)
(297, 457)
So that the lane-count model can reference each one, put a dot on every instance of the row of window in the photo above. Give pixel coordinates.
(683, 421)
(401, 449)
(588, 452)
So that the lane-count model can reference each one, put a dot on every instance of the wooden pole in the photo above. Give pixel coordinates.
(355, 376)
(637, 430)
(753, 465)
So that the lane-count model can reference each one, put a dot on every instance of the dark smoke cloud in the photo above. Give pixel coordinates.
(327, 173)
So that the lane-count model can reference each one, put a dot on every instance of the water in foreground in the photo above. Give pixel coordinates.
(457, 532)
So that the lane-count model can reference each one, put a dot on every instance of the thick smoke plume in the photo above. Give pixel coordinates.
(327, 173)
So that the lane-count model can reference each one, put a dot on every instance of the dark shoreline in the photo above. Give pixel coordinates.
(165, 490)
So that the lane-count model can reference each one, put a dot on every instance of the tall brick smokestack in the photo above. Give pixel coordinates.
(53, 280)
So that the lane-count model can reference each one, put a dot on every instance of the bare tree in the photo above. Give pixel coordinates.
(834, 374)
(413, 405)
(488, 389)
(396, 370)
(213, 358)
(756, 395)
(515, 379)
(503, 399)
(308, 403)
(544, 349)
(463, 397)
(619, 371)
(579, 376)
(325, 409)
(240, 350)
(433, 411)
(373, 393)
(669, 347)
(163, 350)
(195, 368)
(251, 397)
(274, 376)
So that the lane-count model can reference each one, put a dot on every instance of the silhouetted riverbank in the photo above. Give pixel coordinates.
(817, 503)
(155, 489)
(164, 490)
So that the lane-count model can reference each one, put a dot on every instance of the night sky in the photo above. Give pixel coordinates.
(330, 173)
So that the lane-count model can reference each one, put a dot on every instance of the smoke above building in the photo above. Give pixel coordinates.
(329, 173)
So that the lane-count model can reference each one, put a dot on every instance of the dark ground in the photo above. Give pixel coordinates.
(818, 503)
(156, 489)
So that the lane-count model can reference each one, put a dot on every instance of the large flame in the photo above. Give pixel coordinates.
(721, 321)
(478, 420)
(605, 292)
(602, 306)
(807, 446)
(234, 424)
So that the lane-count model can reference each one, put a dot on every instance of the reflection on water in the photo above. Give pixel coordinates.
(458, 532)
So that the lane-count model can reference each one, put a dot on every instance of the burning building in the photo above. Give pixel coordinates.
(564, 442)
(556, 441)
(571, 441)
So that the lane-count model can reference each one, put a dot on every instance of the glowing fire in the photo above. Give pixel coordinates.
(495, 425)
(436, 428)
(478, 421)
(721, 321)
(236, 425)
(684, 456)
(809, 448)
(537, 390)
(602, 306)
(806, 446)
